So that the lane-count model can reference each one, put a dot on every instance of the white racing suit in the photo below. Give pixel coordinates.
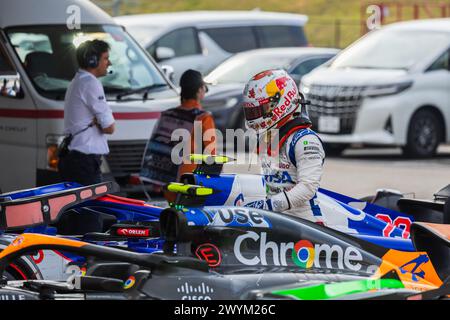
(293, 176)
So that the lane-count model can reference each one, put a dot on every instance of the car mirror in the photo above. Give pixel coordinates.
(10, 85)
(164, 53)
(168, 71)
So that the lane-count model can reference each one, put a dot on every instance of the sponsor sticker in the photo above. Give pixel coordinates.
(311, 148)
(237, 217)
(413, 267)
(195, 292)
(129, 283)
(17, 241)
(209, 253)
(133, 232)
(302, 253)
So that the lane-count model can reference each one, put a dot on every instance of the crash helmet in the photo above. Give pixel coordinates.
(269, 97)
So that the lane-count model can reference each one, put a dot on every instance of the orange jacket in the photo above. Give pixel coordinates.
(207, 123)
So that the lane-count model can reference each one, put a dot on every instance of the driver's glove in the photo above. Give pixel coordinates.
(278, 202)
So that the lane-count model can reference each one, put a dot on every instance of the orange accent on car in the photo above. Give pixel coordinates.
(414, 269)
(30, 239)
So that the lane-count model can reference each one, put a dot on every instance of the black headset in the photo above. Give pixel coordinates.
(90, 56)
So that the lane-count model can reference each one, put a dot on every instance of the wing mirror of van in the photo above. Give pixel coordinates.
(168, 71)
(164, 53)
(10, 85)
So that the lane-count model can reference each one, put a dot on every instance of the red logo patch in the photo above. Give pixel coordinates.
(281, 83)
(209, 253)
(251, 93)
(130, 232)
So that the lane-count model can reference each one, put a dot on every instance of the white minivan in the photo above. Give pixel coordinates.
(202, 39)
(390, 88)
(37, 62)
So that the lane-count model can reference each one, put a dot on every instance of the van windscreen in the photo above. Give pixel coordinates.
(48, 56)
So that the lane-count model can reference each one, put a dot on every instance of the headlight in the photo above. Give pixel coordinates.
(388, 89)
(304, 88)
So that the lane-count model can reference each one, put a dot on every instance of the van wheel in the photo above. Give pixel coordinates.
(334, 149)
(20, 270)
(424, 135)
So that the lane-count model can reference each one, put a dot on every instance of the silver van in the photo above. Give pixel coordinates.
(202, 39)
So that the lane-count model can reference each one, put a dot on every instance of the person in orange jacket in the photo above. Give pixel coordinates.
(193, 90)
(159, 167)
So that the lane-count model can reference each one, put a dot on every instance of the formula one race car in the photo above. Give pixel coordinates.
(436, 210)
(295, 259)
(194, 227)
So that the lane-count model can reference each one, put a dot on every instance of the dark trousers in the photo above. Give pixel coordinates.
(80, 167)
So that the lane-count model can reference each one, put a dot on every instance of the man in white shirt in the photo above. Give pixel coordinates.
(87, 116)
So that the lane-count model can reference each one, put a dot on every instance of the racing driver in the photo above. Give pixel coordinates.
(293, 171)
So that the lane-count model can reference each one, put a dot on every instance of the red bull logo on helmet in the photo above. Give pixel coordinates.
(279, 111)
(272, 88)
(281, 83)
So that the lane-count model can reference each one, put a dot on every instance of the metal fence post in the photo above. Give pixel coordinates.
(337, 33)
(116, 7)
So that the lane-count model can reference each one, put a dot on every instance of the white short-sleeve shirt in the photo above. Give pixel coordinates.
(85, 99)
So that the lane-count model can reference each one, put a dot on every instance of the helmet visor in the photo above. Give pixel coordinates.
(253, 112)
(264, 110)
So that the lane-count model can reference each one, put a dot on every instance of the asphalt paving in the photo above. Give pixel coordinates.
(360, 172)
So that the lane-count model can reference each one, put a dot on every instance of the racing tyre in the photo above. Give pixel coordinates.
(23, 268)
(424, 135)
(334, 149)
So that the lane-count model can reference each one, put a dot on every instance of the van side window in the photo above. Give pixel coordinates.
(183, 42)
(26, 43)
(48, 55)
(443, 62)
(281, 36)
(233, 39)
